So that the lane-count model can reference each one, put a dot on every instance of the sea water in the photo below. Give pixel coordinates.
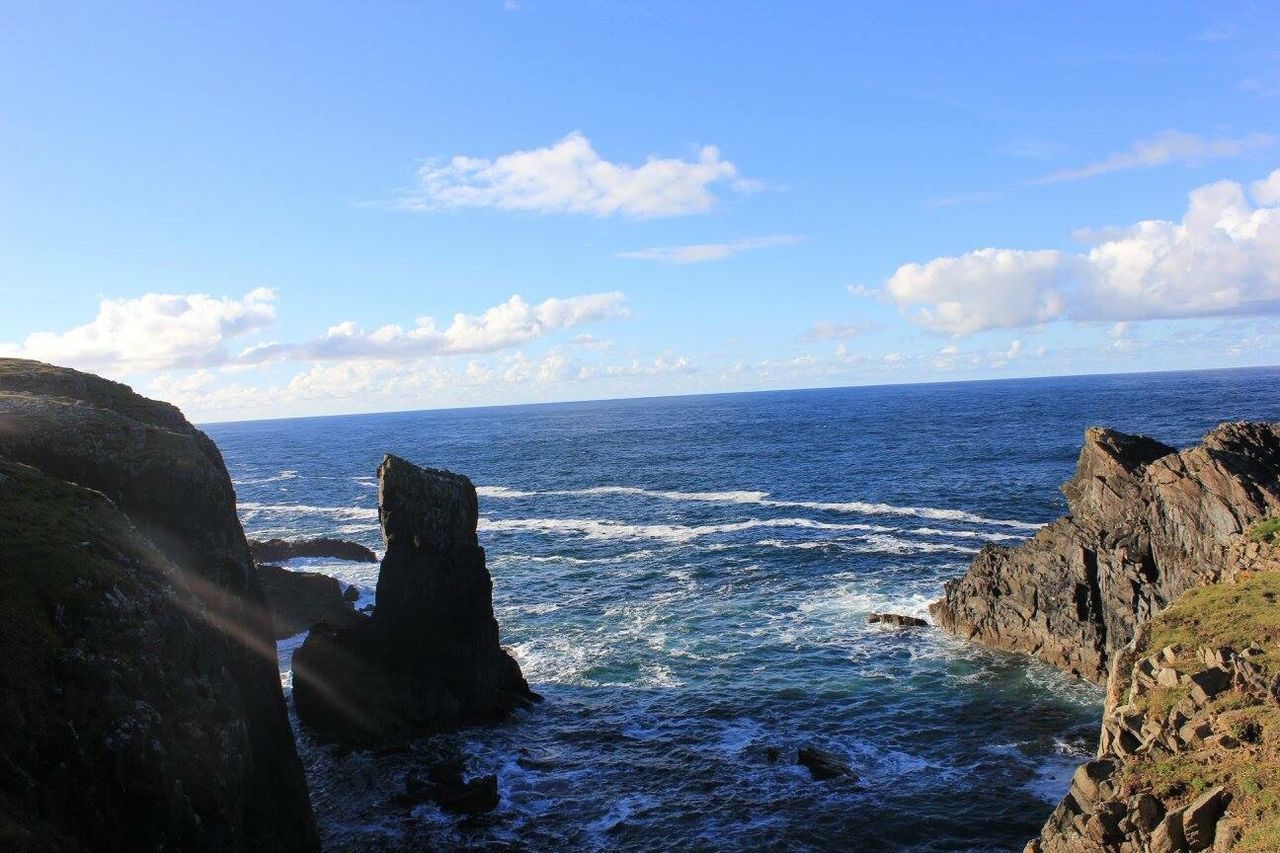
(687, 582)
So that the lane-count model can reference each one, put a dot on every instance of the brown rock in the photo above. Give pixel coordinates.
(898, 620)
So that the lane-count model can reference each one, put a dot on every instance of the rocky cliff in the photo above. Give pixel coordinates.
(139, 688)
(1145, 524)
(429, 658)
(1189, 757)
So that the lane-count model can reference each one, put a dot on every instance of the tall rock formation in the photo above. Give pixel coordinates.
(142, 702)
(429, 658)
(1146, 523)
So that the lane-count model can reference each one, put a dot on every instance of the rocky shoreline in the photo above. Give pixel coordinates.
(1151, 586)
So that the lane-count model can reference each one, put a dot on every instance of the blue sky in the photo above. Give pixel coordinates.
(252, 212)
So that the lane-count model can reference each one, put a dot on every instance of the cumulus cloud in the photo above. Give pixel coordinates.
(503, 326)
(702, 252)
(155, 331)
(570, 177)
(1171, 146)
(1223, 257)
(985, 289)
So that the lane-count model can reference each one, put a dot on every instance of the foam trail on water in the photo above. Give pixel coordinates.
(763, 499)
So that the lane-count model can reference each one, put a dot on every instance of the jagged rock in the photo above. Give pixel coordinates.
(352, 595)
(298, 600)
(1145, 523)
(428, 659)
(446, 787)
(1200, 818)
(822, 764)
(278, 550)
(1208, 683)
(898, 620)
(143, 708)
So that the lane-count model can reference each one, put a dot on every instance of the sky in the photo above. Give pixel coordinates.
(268, 210)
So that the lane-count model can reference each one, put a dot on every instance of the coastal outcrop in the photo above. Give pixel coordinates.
(299, 600)
(139, 690)
(1145, 524)
(429, 658)
(1189, 756)
(278, 550)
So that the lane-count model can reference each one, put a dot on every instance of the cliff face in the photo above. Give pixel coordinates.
(429, 658)
(1145, 524)
(160, 622)
(1189, 757)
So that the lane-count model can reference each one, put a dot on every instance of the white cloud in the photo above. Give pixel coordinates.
(1222, 258)
(988, 288)
(503, 326)
(827, 331)
(861, 291)
(570, 177)
(156, 331)
(1170, 146)
(703, 252)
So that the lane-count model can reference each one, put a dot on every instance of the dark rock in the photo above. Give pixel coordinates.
(446, 787)
(352, 595)
(428, 659)
(298, 600)
(898, 620)
(822, 764)
(772, 754)
(1145, 523)
(147, 712)
(278, 550)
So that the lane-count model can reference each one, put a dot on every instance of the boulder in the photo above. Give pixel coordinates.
(298, 600)
(141, 704)
(1145, 523)
(279, 550)
(897, 620)
(428, 659)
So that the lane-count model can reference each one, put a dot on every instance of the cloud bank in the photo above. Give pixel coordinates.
(1223, 257)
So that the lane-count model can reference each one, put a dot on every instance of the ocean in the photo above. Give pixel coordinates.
(687, 581)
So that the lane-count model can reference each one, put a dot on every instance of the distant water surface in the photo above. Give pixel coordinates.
(687, 582)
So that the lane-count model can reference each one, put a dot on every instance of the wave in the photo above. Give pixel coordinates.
(763, 499)
(599, 528)
(250, 510)
(286, 474)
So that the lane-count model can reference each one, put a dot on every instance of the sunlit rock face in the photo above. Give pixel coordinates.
(1145, 524)
(191, 644)
(429, 658)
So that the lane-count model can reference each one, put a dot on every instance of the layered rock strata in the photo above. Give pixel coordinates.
(141, 698)
(429, 658)
(1145, 523)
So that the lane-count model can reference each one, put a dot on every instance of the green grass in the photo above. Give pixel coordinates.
(1233, 615)
(1267, 530)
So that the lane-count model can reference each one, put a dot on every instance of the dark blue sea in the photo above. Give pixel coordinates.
(687, 580)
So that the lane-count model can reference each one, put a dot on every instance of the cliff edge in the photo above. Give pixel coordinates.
(1145, 524)
(139, 689)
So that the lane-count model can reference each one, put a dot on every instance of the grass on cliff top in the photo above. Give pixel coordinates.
(1234, 615)
(1267, 530)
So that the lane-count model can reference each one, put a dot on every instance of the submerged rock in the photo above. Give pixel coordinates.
(898, 620)
(278, 550)
(140, 700)
(429, 658)
(823, 765)
(1145, 524)
(299, 600)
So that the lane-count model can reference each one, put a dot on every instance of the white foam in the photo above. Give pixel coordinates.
(601, 528)
(763, 499)
(250, 510)
(283, 475)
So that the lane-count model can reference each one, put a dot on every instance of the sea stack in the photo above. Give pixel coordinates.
(429, 658)
(1146, 523)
